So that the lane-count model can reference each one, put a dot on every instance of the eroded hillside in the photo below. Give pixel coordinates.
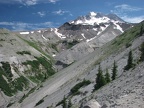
(30, 64)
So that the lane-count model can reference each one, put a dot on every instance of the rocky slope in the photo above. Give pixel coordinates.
(28, 59)
(112, 95)
(22, 67)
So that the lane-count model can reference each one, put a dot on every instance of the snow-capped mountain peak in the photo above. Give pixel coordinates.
(91, 19)
(92, 14)
(96, 18)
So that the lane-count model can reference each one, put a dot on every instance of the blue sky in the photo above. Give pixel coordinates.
(21, 15)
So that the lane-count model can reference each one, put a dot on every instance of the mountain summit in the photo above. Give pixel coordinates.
(96, 18)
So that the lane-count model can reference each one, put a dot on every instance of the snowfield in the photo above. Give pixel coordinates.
(24, 33)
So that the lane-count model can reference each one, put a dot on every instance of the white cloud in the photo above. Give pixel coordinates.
(6, 23)
(133, 19)
(125, 7)
(124, 11)
(41, 14)
(24, 2)
(20, 26)
(62, 12)
(30, 2)
(71, 14)
(27, 2)
(53, 1)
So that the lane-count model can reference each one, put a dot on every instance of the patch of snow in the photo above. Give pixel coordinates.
(59, 34)
(102, 28)
(71, 22)
(24, 32)
(97, 20)
(93, 14)
(99, 33)
(83, 36)
(63, 37)
(39, 31)
(90, 39)
(32, 31)
(44, 37)
(79, 22)
(95, 29)
(92, 20)
(51, 29)
(117, 26)
(53, 55)
(80, 39)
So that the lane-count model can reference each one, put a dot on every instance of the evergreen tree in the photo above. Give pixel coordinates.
(114, 71)
(107, 76)
(142, 52)
(129, 61)
(103, 82)
(69, 104)
(100, 80)
(64, 103)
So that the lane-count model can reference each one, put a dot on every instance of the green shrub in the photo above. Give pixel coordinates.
(4, 85)
(10, 104)
(7, 69)
(54, 46)
(40, 74)
(79, 85)
(11, 87)
(62, 102)
(24, 96)
(20, 83)
(23, 52)
(39, 102)
(70, 44)
(128, 45)
(2, 40)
